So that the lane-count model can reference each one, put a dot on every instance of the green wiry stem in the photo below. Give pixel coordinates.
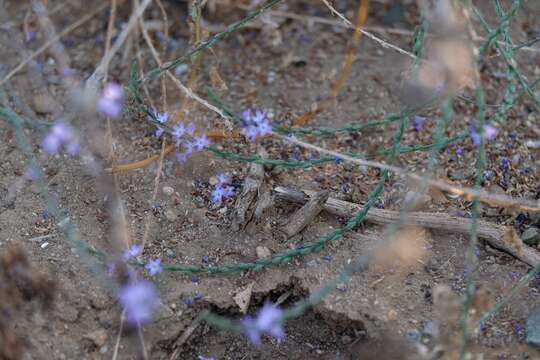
(152, 74)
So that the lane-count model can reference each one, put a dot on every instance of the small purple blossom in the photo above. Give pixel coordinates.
(459, 151)
(268, 321)
(201, 142)
(154, 267)
(223, 179)
(487, 133)
(255, 124)
(161, 118)
(191, 129)
(139, 300)
(133, 251)
(178, 130)
(182, 156)
(159, 131)
(110, 101)
(490, 132)
(61, 135)
(188, 301)
(222, 192)
(419, 122)
(206, 358)
(198, 296)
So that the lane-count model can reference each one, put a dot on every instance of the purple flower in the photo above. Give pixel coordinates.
(154, 267)
(59, 135)
(255, 124)
(268, 321)
(259, 117)
(488, 133)
(159, 131)
(139, 300)
(419, 122)
(201, 142)
(223, 179)
(459, 151)
(188, 150)
(191, 129)
(178, 130)
(110, 102)
(161, 118)
(133, 251)
(205, 358)
(221, 192)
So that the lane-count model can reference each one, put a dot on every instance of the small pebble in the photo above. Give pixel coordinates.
(531, 236)
(171, 215)
(533, 144)
(167, 190)
(263, 252)
(181, 69)
(392, 315)
(43, 104)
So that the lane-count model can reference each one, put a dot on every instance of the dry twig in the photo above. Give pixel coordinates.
(498, 236)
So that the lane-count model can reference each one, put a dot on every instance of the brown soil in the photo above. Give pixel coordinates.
(376, 314)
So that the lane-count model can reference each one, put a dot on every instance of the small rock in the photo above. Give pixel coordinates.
(222, 211)
(346, 339)
(243, 298)
(213, 181)
(392, 315)
(169, 253)
(263, 252)
(167, 190)
(181, 69)
(98, 337)
(43, 104)
(532, 329)
(533, 144)
(171, 215)
(531, 236)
